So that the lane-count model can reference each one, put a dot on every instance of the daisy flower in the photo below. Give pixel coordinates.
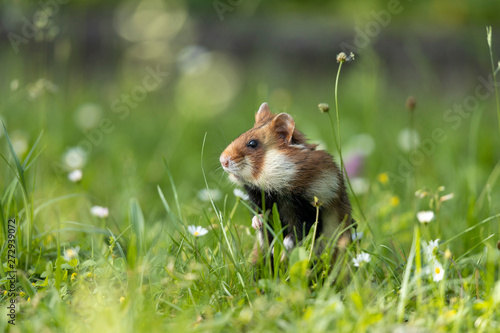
(437, 271)
(425, 216)
(361, 258)
(98, 211)
(75, 158)
(75, 176)
(71, 253)
(206, 194)
(240, 194)
(197, 231)
(430, 248)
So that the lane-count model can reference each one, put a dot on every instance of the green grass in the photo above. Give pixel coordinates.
(140, 269)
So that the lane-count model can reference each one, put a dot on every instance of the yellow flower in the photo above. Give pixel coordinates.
(90, 275)
(73, 277)
(29, 299)
(49, 238)
(122, 299)
(22, 294)
(383, 178)
(395, 201)
(5, 292)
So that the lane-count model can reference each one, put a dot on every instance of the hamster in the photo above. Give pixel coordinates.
(273, 161)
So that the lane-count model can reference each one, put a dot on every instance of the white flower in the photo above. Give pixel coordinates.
(39, 87)
(99, 211)
(360, 185)
(496, 293)
(356, 236)
(433, 244)
(75, 176)
(14, 84)
(240, 194)
(197, 231)
(430, 248)
(361, 258)
(206, 194)
(87, 116)
(425, 216)
(437, 271)
(75, 158)
(71, 253)
(408, 139)
(19, 142)
(362, 144)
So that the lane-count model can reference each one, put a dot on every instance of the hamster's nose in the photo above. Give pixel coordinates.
(224, 161)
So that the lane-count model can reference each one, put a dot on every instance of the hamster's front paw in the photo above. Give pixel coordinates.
(257, 222)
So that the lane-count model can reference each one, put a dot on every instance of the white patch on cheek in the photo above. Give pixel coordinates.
(239, 172)
(277, 172)
(246, 169)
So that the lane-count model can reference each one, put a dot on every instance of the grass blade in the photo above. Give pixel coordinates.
(406, 278)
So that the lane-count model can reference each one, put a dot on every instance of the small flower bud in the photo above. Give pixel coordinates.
(323, 107)
(341, 57)
(447, 254)
(488, 35)
(411, 102)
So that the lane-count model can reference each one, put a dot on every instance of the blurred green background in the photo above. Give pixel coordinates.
(117, 87)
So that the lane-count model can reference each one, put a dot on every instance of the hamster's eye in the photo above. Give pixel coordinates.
(252, 144)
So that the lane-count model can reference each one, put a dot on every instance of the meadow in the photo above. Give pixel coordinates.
(117, 217)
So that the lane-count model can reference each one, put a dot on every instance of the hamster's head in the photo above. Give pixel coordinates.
(259, 157)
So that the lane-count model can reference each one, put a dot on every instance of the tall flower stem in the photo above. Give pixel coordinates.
(339, 144)
(343, 168)
(418, 264)
(338, 141)
(494, 72)
(413, 145)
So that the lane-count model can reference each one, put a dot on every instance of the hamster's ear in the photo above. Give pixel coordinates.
(284, 126)
(263, 115)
